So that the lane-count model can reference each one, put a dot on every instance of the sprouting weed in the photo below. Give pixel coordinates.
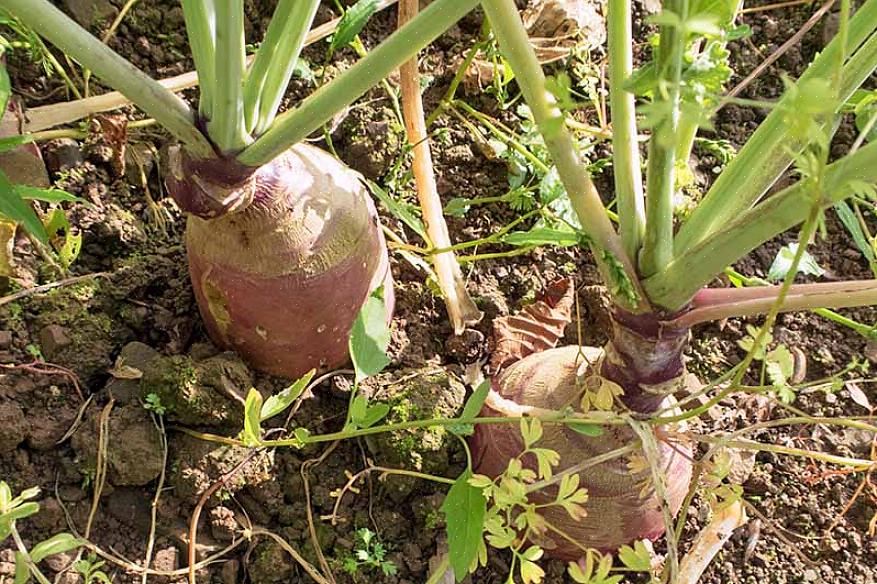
(153, 404)
(512, 520)
(91, 570)
(779, 362)
(368, 554)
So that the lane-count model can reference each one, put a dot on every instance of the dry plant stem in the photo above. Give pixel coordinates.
(312, 528)
(718, 303)
(461, 309)
(159, 423)
(312, 572)
(49, 116)
(196, 513)
(709, 541)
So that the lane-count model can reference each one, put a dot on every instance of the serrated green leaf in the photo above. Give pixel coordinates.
(352, 23)
(252, 435)
(278, 402)
(370, 337)
(637, 557)
(464, 509)
(57, 544)
(19, 211)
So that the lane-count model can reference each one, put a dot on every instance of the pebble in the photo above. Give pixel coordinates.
(811, 575)
(53, 338)
(5, 339)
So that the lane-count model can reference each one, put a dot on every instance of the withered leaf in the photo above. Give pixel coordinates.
(535, 328)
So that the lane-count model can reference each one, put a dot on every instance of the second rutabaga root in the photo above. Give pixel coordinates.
(461, 309)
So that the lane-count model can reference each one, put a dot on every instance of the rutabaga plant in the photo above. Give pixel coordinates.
(283, 241)
(657, 267)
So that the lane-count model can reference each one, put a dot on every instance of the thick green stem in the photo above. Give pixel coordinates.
(770, 150)
(326, 102)
(515, 44)
(148, 94)
(226, 127)
(673, 287)
(275, 61)
(657, 250)
(626, 159)
(200, 18)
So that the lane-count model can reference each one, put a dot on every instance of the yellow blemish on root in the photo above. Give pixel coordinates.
(217, 304)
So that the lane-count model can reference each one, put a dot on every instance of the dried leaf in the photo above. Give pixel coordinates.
(114, 130)
(536, 328)
(857, 395)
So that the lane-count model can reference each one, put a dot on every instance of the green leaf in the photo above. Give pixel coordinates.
(782, 263)
(5, 89)
(20, 512)
(58, 544)
(5, 495)
(370, 337)
(47, 195)
(353, 21)
(586, 429)
(458, 206)
(252, 435)
(19, 211)
(373, 415)
(358, 409)
(542, 236)
(637, 557)
(475, 402)
(12, 142)
(464, 510)
(402, 211)
(848, 218)
(277, 403)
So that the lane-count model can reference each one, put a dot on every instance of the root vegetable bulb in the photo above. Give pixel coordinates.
(281, 259)
(622, 506)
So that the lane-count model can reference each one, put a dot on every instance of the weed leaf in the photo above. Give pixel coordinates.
(277, 403)
(253, 418)
(464, 510)
(19, 211)
(57, 544)
(353, 21)
(370, 337)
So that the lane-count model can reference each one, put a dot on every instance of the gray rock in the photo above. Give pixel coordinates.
(90, 12)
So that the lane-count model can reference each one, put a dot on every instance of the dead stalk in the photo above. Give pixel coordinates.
(461, 309)
(312, 528)
(150, 544)
(709, 541)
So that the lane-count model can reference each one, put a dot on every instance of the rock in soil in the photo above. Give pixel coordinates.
(270, 564)
(13, 427)
(197, 464)
(415, 394)
(134, 451)
(197, 393)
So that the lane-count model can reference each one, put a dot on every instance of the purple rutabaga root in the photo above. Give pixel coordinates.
(622, 504)
(281, 257)
(644, 357)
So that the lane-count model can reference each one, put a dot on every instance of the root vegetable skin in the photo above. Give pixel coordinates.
(282, 280)
(621, 506)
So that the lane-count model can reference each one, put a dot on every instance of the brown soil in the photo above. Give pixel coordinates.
(143, 310)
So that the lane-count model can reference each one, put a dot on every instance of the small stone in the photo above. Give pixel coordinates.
(811, 575)
(57, 562)
(13, 427)
(53, 338)
(90, 12)
(62, 155)
(5, 339)
(167, 559)
(222, 523)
